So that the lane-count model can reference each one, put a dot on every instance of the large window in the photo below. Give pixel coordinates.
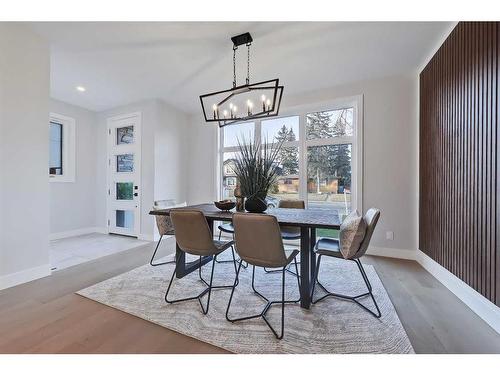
(329, 159)
(61, 148)
(284, 129)
(320, 160)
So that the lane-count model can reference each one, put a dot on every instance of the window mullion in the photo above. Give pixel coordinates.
(302, 158)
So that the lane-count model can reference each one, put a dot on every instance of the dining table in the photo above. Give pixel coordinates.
(308, 220)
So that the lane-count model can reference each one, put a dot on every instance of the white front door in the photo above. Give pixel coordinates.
(124, 174)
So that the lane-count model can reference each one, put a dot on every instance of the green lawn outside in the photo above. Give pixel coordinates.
(332, 233)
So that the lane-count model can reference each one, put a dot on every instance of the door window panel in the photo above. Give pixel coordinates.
(125, 163)
(125, 135)
(124, 191)
(125, 219)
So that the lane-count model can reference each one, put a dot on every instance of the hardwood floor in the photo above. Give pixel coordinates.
(45, 316)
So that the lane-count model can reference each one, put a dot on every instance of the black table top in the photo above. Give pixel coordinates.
(314, 218)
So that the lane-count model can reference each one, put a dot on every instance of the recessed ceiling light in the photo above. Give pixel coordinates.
(80, 88)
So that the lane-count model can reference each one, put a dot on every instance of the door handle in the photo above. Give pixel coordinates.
(136, 194)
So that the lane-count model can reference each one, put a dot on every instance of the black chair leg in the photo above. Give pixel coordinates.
(229, 261)
(376, 314)
(217, 286)
(297, 270)
(269, 303)
(199, 296)
(154, 254)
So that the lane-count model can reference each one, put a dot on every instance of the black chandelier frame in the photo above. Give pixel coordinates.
(272, 84)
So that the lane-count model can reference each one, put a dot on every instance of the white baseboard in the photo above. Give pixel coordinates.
(24, 276)
(77, 232)
(391, 253)
(483, 307)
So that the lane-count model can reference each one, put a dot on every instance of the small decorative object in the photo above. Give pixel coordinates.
(244, 102)
(225, 205)
(256, 167)
(240, 199)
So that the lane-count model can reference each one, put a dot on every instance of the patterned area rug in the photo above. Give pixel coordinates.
(331, 326)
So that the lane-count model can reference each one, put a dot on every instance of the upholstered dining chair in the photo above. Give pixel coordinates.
(164, 225)
(331, 247)
(259, 243)
(194, 237)
(289, 232)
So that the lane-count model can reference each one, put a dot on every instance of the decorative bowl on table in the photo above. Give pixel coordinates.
(225, 205)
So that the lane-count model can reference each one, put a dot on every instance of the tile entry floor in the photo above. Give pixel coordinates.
(67, 252)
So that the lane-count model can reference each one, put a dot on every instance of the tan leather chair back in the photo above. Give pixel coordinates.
(291, 203)
(192, 232)
(258, 240)
(371, 218)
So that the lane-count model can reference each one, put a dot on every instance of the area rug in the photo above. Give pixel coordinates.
(330, 326)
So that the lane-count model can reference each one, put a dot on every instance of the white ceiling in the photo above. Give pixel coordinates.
(120, 63)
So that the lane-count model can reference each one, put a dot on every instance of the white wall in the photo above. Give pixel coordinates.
(162, 166)
(390, 153)
(171, 154)
(202, 160)
(79, 195)
(24, 155)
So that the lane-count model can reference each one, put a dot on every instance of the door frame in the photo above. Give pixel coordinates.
(137, 166)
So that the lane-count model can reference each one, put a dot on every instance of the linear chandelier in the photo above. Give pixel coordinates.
(244, 102)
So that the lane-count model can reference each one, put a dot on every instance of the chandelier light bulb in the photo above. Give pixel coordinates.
(225, 113)
(263, 98)
(214, 107)
(230, 105)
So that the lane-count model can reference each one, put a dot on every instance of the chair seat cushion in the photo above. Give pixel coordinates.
(289, 235)
(226, 227)
(223, 245)
(328, 247)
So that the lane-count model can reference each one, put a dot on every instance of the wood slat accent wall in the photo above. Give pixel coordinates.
(460, 157)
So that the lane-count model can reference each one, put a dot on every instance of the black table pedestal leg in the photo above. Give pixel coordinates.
(312, 254)
(305, 268)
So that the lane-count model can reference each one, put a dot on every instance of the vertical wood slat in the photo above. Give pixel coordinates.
(459, 157)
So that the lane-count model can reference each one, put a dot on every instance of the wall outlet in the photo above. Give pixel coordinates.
(389, 235)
